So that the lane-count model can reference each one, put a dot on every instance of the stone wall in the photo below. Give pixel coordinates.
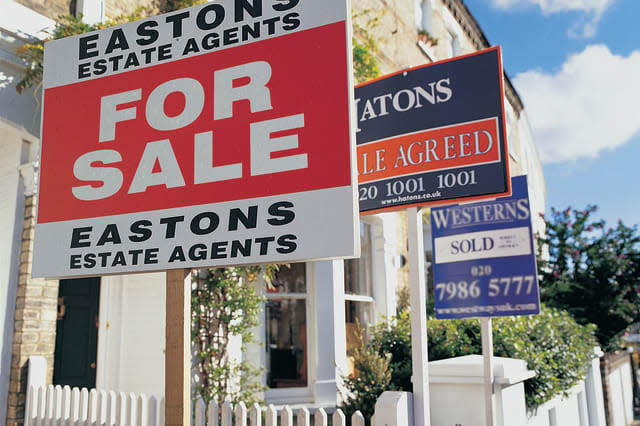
(391, 23)
(35, 321)
(50, 8)
(115, 8)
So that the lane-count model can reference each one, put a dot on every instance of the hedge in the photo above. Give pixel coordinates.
(552, 343)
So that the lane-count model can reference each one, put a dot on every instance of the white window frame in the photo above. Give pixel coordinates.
(296, 394)
(360, 298)
(423, 10)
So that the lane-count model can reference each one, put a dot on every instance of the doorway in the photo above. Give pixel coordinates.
(77, 333)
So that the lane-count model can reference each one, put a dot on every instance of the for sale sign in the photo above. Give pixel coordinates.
(201, 137)
(483, 254)
(433, 134)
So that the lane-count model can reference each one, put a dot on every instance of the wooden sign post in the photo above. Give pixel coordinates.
(177, 364)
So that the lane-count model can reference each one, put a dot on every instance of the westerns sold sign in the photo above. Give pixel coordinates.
(201, 137)
(433, 134)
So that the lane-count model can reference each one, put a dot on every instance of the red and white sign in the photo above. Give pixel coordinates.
(215, 135)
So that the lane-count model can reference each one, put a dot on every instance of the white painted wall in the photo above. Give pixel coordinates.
(621, 395)
(18, 25)
(457, 391)
(384, 263)
(16, 147)
(535, 175)
(131, 336)
(331, 349)
(17, 113)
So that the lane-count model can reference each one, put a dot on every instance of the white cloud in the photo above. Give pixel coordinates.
(590, 105)
(585, 27)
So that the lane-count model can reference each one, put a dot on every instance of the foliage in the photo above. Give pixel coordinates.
(171, 5)
(592, 271)
(553, 344)
(225, 304)
(427, 37)
(373, 376)
(365, 46)
(66, 25)
(395, 341)
(365, 65)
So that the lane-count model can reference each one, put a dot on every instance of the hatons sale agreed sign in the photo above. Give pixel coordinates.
(201, 137)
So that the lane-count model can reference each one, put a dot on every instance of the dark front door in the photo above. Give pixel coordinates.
(77, 333)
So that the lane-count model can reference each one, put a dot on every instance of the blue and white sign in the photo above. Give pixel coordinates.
(483, 257)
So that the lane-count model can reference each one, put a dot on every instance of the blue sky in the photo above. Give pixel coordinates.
(576, 65)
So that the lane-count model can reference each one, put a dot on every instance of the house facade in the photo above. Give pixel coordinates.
(109, 332)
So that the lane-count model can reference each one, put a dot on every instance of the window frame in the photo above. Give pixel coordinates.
(300, 393)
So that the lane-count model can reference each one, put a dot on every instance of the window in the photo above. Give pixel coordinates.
(424, 15)
(286, 333)
(358, 291)
(453, 44)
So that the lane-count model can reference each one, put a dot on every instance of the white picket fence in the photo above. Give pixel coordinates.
(57, 406)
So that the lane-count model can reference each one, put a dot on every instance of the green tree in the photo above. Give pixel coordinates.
(224, 304)
(592, 271)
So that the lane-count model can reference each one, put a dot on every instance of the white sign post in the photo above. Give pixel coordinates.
(418, 298)
(487, 363)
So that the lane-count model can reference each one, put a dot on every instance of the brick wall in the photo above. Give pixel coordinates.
(35, 321)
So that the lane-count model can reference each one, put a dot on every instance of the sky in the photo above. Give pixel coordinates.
(576, 66)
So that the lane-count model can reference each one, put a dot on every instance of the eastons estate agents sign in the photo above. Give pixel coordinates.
(200, 137)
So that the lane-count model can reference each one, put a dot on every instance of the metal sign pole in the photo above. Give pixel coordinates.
(487, 357)
(418, 300)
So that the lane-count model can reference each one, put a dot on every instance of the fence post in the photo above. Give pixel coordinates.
(320, 417)
(303, 417)
(241, 414)
(338, 418)
(286, 416)
(395, 409)
(255, 415)
(212, 413)
(357, 419)
(593, 387)
(271, 416)
(227, 414)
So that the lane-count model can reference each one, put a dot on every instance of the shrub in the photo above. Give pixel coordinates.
(553, 344)
(395, 342)
(372, 377)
